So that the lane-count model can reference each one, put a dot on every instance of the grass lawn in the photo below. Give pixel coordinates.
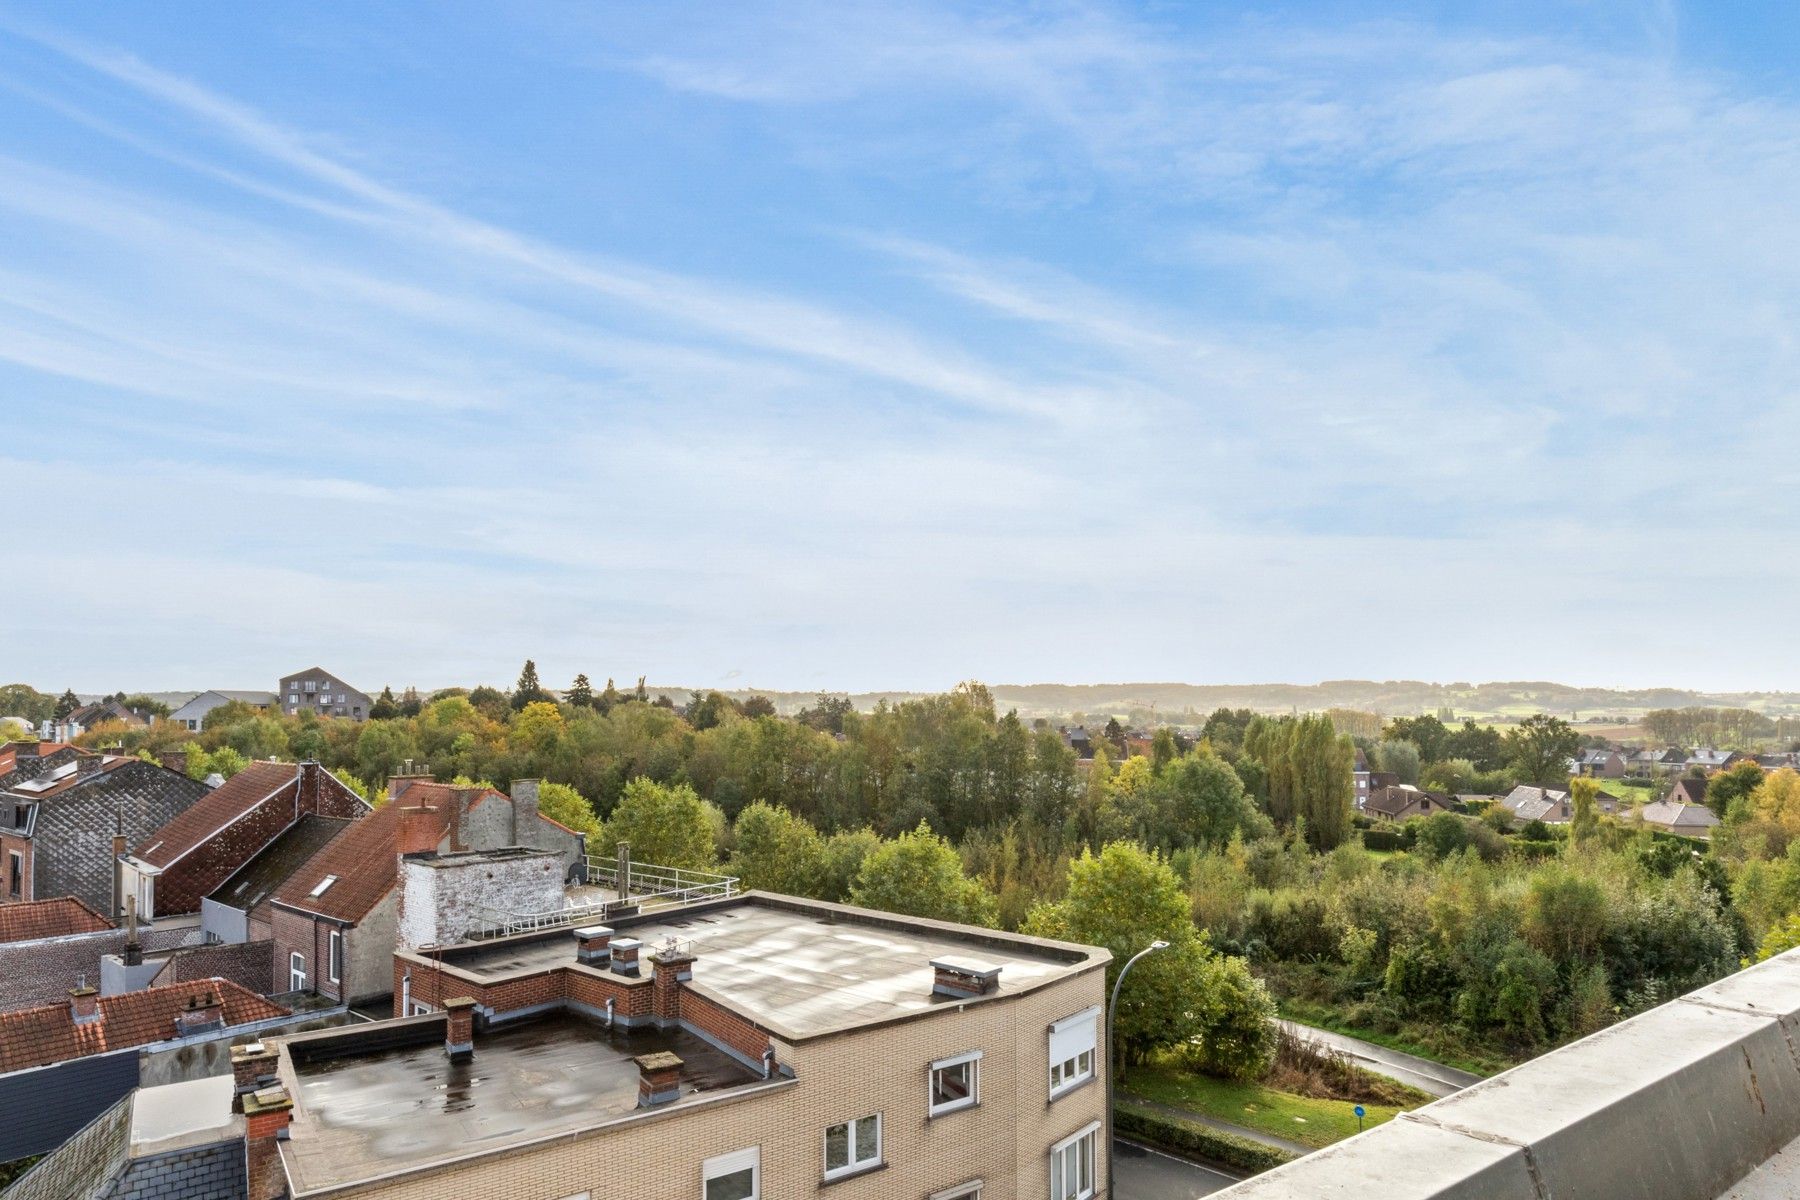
(1298, 1118)
(1465, 1060)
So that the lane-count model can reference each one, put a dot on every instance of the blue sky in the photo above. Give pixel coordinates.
(857, 346)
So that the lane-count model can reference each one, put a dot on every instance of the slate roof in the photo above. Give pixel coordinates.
(217, 809)
(1712, 758)
(1677, 816)
(85, 1166)
(72, 826)
(1687, 791)
(47, 919)
(263, 875)
(49, 1033)
(27, 767)
(1403, 800)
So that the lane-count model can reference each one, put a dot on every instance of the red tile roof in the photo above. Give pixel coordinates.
(48, 918)
(212, 812)
(363, 856)
(49, 1033)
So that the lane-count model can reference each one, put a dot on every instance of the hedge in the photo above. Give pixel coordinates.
(1196, 1140)
(1383, 839)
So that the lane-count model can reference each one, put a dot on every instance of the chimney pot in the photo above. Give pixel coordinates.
(252, 1067)
(659, 1078)
(625, 956)
(267, 1112)
(84, 1004)
(593, 945)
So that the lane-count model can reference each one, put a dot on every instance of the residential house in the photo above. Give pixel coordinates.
(1650, 761)
(1714, 760)
(1787, 759)
(317, 690)
(1687, 791)
(336, 919)
(192, 715)
(1077, 740)
(1688, 820)
(64, 829)
(1602, 763)
(1402, 802)
(177, 865)
(1552, 806)
(91, 716)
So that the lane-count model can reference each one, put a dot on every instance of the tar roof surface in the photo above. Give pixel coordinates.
(808, 969)
(360, 1116)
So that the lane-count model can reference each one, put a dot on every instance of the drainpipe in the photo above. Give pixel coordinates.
(610, 1001)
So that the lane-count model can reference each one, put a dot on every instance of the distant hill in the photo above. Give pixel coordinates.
(1405, 697)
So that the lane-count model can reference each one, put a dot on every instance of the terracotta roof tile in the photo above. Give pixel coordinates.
(49, 1033)
(48, 918)
(212, 812)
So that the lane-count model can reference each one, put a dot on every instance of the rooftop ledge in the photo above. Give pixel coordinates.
(1698, 1099)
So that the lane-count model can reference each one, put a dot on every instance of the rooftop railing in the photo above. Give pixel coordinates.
(635, 887)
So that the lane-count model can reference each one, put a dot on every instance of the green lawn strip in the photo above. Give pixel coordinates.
(1319, 1123)
(1324, 1018)
(1190, 1139)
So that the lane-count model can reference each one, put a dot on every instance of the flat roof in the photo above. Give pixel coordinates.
(407, 1107)
(802, 968)
(175, 1116)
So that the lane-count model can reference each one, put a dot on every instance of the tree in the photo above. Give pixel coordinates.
(1734, 783)
(609, 699)
(845, 853)
(581, 692)
(1426, 732)
(707, 709)
(1584, 818)
(410, 704)
(528, 690)
(491, 701)
(564, 804)
(757, 706)
(920, 874)
(1206, 802)
(668, 825)
(777, 851)
(537, 727)
(1163, 748)
(1540, 748)
(1226, 727)
(384, 708)
(65, 704)
(1123, 899)
(827, 714)
(145, 706)
(1398, 757)
(23, 700)
(1480, 744)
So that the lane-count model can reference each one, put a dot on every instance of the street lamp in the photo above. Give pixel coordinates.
(1112, 1058)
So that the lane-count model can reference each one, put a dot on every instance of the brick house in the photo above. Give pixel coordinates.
(336, 920)
(1402, 802)
(63, 830)
(176, 866)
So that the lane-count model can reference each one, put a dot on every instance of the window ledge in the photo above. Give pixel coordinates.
(1071, 1089)
(853, 1173)
(937, 1114)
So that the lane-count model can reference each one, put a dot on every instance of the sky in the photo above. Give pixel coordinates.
(857, 346)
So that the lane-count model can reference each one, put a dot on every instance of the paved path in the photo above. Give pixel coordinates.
(1140, 1173)
(1200, 1118)
(1430, 1077)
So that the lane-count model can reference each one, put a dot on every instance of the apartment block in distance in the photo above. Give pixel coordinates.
(317, 690)
(749, 1047)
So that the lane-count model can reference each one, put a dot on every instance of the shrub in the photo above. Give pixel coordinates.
(1382, 839)
(1187, 1137)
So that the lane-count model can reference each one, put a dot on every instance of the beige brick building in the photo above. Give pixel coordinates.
(758, 1047)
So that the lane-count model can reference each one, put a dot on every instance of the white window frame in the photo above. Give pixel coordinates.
(731, 1164)
(853, 1165)
(296, 971)
(962, 1191)
(1059, 1167)
(312, 686)
(934, 1109)
(334, 956)
(1068, 1030)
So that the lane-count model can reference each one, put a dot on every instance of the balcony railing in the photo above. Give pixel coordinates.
(630, 886)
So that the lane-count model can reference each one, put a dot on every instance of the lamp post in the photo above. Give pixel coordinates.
(1112, 1059)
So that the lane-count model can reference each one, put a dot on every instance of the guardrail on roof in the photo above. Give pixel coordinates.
(634, 886)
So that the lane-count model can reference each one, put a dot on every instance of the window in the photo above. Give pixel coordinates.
(953, 1084)
(296, 972)
(334, 961)
(732, 1176)
(853, 1146)
(15, 874)
(320, 888)
(21, 814)
(962, 1191)
(1072, 1051)
(312, 685)
(1072, 1166)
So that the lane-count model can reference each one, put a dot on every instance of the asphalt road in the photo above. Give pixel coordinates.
(1140, 1173)
(1432, 1078)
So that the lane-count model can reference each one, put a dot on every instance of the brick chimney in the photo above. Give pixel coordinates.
(459, 1028)
(525, 812)
(267, 1113)
(418, 831)
(625, 956)
(307, 801)
(674, 967)
(593, 946)
(659, 1078)
(84, 1004)
(252, 1068)
(204, 1012)
(397, 784)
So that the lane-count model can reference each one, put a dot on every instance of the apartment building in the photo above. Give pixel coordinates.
(317, 690)
(757, 1046)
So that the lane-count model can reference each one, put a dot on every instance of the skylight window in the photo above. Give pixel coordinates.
(323, 885)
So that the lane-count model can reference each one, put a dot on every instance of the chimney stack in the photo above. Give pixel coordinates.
(418, 831)
(593, 946)
(84, 1004)
(525, 812)
(306, 800)
(252, 1068)
(459, 1028)
(659, 1078)
(267, 1112)
(134, 948)
(674, 967)
(204, 1012)
(625, 956)
(964, 978)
